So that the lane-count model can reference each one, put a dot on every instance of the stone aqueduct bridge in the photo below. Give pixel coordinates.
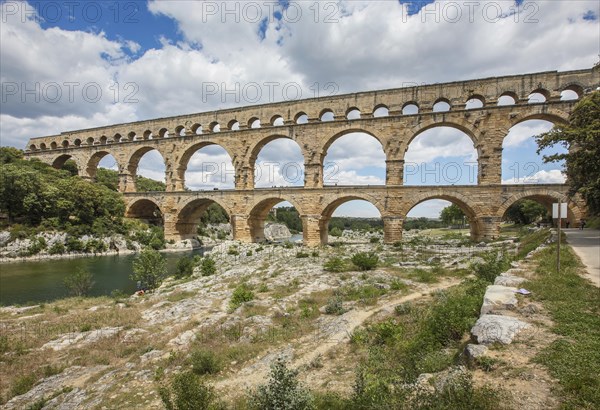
(178, 138)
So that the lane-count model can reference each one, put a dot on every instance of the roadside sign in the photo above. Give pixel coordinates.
(563, 210)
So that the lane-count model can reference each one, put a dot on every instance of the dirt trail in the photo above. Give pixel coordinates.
(307, 348)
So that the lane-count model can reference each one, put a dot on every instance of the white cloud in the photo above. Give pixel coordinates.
(428, 209)
(522, 132)
(553, 176)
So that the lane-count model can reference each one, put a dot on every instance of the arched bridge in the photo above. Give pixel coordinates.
(243, 132)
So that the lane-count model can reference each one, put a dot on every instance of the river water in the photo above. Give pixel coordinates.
(42, 281)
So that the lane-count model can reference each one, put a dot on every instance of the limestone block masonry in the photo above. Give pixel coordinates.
(178, 138)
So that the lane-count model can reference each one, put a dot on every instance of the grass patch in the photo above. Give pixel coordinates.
(574, 305)
(181, 295)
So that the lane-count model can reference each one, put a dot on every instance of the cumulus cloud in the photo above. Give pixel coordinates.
(553, 176)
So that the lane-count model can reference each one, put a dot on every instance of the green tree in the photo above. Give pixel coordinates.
(208, 266)
(79, 282)
(185, 267)
(365, 260)
(451, 215)
(282, 392)
(143, 184)
(337, 232)
(149, 268)
(187, 392)
(108, 177)
(525, 212)
(581, 138)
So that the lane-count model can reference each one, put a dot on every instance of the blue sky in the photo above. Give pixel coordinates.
(168, 50)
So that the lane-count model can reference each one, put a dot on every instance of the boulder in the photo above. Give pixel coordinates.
(497, 328)
(509, 280)
(498, 297)
(474, 351)
(275, 232)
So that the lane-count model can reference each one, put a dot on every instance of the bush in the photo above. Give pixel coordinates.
(493, 265)
(283, 391)
(241, 294)
(208, 266)
(374, 240)
(335, 306)
(335, 265)
(74, 245)
(185, 267)
(337, 232)
(187, 392)
(79, 283)
(302, 254)
(149, 268)
(233, 251)
(204, 362)
(365, 260)
(57, 249)
(37, 245)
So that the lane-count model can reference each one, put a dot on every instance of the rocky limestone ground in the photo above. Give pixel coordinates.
(105, 353)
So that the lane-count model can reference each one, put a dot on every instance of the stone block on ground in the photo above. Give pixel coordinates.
(509, 280)
(498, 297)
(497, 329)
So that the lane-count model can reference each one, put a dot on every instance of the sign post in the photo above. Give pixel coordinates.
(557, 211)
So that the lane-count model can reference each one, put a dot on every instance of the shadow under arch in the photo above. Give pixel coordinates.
(186, 221)
(546, 199)
(146, 210)
(258, 216)
(59, 161)
(330, 208)
(471, 210)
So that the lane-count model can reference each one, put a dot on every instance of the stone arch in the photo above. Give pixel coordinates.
(117, 137)
(148, 135)
(59, 161)
(65, 144)
(163, 133)
(254, 122)
(326, 145)
(475, 97)
(553, 116)
(196, 128)
(147, 210)
(277, 121)
(575, 87)
(90, 141)
(461, 125)
(53, 145)
(258, 214)
(77, 142)
(329, 209)
(546, 198)
(442, 100)
(381, 110)
(134, 159)
(472, 211)
(182, 165)
(32, 147)
(214, 127)
(541, 91)
(92, 164)
(353, 113)
(186, 219)
(43, 146)
(260, 144)
(180, 131)
(325, 112)
(233, 125)
(300, 116)
(406, 107)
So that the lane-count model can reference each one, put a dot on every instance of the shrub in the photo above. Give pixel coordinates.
(335, 265)
(185, 267)
(493, 265)
(241, 294)
(374, 240)
(335, 306)
(79, 283)
(233, 251)
(187, 391)
(302, 254)
(397, 244)
(208, 266)
(204, 362)
(149, 268)
(74, 245)
(249, 253)
(288, 245)
(283, 391)
(337, 232)
(37, 245)
(57, 249)
(365, 260)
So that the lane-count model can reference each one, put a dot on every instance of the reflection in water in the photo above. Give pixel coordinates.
(42, 281)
